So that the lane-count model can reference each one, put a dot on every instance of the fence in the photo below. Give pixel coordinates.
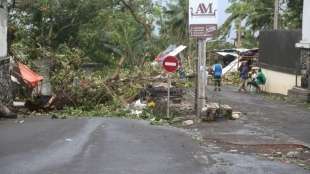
(278, 51)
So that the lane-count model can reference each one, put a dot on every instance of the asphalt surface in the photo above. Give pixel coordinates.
(94, 146)
(116, 146)
(268, 115)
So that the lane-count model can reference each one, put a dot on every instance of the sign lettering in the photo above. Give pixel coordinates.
(204, 10)
(203, 18)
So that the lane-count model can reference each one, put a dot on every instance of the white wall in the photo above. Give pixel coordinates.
(306, 22)
(305, 42)
(280, 83)
(3, 32)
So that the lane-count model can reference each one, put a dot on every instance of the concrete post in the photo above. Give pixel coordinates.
(304, 44)
(5, 80)
(201, 73)
(303, 94)
(276, 15)
(3, 29)
(306, 24)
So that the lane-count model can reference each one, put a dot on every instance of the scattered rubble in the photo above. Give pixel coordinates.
(138, 106)
(136, 112)
(277, 154)
(188, 123)
(301, 165)
(233, 151)
(213, 111)
(68, 140)
(236, 115)
(292, 154)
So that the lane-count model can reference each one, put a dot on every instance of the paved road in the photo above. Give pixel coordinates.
(115, 146)
(95, 146)
(279, 116)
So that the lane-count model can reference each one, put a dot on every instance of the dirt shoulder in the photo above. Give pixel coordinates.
(268, 128)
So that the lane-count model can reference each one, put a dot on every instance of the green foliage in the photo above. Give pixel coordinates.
(218, 45)
(174, 29)
(256, 15)
(292, 18)
(112, 111)
(73, 32)
(66, 65)
(104, 30)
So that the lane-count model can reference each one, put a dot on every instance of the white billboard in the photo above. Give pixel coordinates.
(203, 17)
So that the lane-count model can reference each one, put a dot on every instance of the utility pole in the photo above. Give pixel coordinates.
(276, 15)
(202, 25)
(239, 33)
(201, 75)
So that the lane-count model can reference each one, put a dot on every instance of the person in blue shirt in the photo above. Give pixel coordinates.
(217, 75)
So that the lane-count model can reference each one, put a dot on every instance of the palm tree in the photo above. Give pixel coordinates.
(248, 16)
(175, 26)
(254, 14)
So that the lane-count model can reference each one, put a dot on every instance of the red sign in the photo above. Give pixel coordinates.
(171, 64)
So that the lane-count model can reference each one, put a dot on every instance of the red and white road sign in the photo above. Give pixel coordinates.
(171, 64)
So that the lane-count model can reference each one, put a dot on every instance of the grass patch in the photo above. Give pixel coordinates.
(274, 97)
(102, 111)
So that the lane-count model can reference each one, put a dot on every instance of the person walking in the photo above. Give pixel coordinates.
(217, 75)
(244, 74)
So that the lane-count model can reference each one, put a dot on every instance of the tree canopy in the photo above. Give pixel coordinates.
(108, 30)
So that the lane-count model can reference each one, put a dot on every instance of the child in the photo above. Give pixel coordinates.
(217, 74)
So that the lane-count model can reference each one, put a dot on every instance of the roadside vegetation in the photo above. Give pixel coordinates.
(123, 37)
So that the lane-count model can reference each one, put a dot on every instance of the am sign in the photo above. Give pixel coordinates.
(203, 18)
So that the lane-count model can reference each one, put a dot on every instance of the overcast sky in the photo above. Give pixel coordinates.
(222, 6)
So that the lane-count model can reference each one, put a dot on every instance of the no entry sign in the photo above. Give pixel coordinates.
(171, 64)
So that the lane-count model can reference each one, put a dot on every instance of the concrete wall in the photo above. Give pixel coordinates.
(5, 82)
(5, 79)
(306, 22)
(3, 31)
(280, 83)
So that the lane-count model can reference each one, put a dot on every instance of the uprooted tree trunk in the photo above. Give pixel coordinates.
(115, 96)
(5, 112)
(117, 71)
(115, 77)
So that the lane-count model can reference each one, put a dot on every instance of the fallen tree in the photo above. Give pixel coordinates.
(5, 112)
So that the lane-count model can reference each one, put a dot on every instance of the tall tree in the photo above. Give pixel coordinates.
(175, 27)
(104, 30)
(293, 14)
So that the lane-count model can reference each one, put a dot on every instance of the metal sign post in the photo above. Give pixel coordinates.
(171, 64)
(202, 25)
(168, 100)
